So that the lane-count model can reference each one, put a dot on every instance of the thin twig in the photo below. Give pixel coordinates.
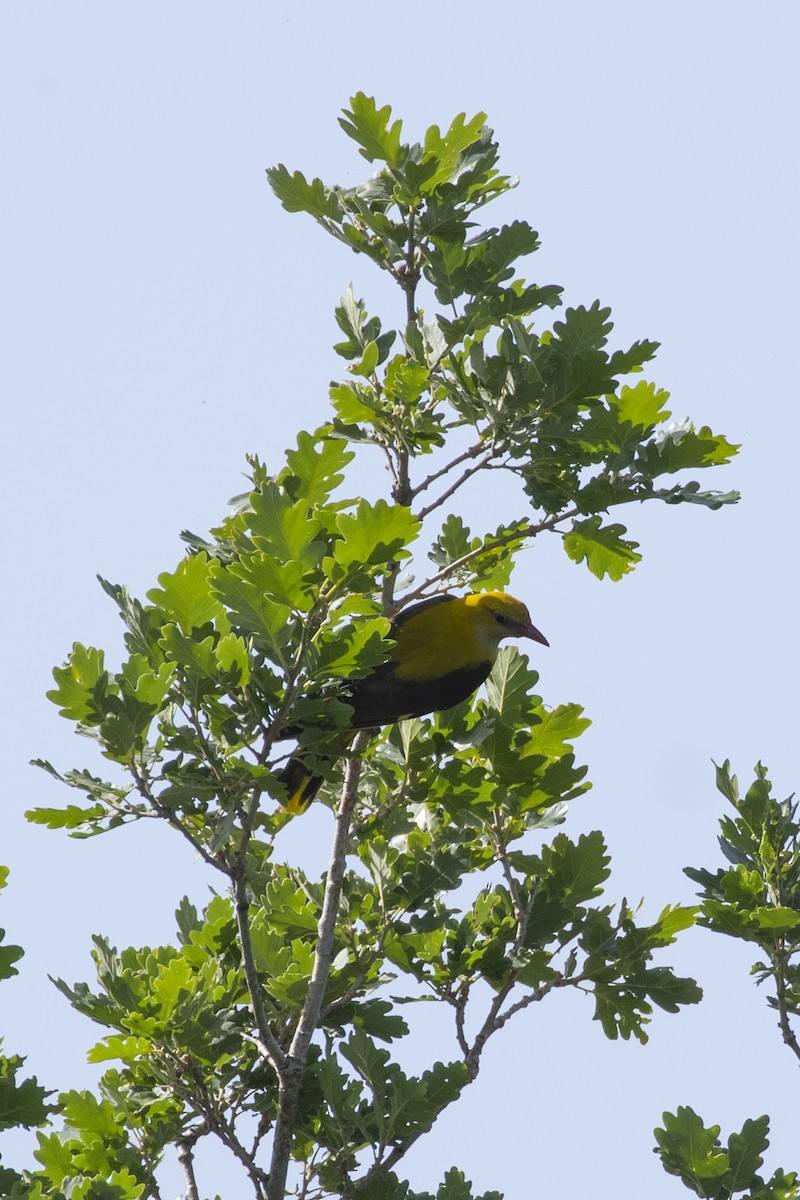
(297, 1059)
(501, 854)
(402, 1148)
(411, 273)
(534, 997)
(172, 819)
(460, 1003)
(522, 914)
(473, 452)
(528, 531)
(787, 1033)
(462, 479)
(268, 1043)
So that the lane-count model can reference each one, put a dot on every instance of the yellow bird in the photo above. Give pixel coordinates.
(443, 650)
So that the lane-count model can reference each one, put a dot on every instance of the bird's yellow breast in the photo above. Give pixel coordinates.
(439, 640)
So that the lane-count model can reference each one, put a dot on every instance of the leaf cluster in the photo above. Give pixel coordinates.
(550, 405)
(692, 1151)
(230, 644)
(23, 1101)
(756, 897)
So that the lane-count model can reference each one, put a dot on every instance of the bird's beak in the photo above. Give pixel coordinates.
(530, 631)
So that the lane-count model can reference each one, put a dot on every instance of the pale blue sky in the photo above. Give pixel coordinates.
(163, 316)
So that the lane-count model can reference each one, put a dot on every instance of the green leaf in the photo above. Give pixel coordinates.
(349, 401)
(71, 817)
(369, 127)
(376, 1018)
(727, 783)
(142, 623)
(675, 918)
(368, 361)
(282, 528)
(452, 543)
(386, 1186)
(776, 918)
(667, 990)
(142, 683)
(232, 655)
(86, 1114)
(185, 595)
(405, 380)
(602, 547)
(489, 570)
(582, 329)
(8, 954)
(375, 534)
(509, 683)
(680, 447)
(552, 736)
(456, 1186)
(173, 982)
(576, 870)
(77, 681)
(690, 1150)
(287, 907)
(125, 1049)
(745, 1151)
(315, 468)
(641, 406)
(22, 1101)
(447, 149)
(296, 194)
(444, 1082)
(287, 583)
(254, 612)
(690, 493)
(352, 648)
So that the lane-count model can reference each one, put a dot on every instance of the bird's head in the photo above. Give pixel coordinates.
(498, 615)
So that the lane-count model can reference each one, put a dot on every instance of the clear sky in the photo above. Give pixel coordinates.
(162, 316)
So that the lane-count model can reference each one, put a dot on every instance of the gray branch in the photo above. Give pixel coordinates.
(294, 1070)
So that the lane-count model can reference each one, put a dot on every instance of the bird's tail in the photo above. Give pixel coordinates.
(301, 784)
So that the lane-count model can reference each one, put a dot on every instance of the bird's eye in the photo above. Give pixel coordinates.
(499, 618)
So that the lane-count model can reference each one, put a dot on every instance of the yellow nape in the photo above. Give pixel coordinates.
(458, 633)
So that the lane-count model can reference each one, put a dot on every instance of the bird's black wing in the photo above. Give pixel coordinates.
(414, 609)
(382, 698)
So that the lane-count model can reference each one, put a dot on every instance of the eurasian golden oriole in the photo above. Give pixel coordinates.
(442, 651)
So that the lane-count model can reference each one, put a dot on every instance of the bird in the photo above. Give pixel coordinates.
(443, 649)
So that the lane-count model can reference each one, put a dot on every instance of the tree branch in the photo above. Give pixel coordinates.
(787, 1033)
(528, 531)
(463, 477)
(185, 1149)
(472, 452)
(173, 819)
(534, 998)
(267, 1042)
(291, 1080)
(410, 276)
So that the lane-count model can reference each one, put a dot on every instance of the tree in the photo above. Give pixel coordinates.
(266, 1026)
(756, 898)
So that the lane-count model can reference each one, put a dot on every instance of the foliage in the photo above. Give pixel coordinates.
(755, 898)
(23, 1102)
(269, 1025)
(694, 1152)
